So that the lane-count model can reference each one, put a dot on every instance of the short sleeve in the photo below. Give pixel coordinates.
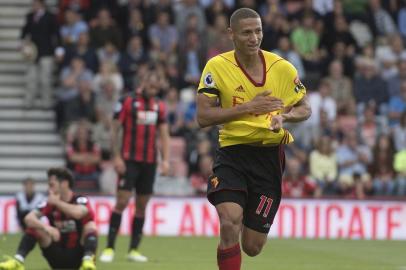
(82, 200)
(44, 209)
(292, 89)
(162, 113)
(120, 109)
(209, 81)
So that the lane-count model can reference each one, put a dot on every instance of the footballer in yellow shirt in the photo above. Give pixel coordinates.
(249, 93)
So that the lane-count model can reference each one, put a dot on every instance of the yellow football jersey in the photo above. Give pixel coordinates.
(224, 78)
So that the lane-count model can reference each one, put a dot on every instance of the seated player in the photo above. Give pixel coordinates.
(69, 241)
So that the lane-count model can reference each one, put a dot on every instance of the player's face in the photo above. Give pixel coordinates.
(54, 185)
(247, 36)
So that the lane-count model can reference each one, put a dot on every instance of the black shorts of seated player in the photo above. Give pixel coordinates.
(62, 258)
(250, 176)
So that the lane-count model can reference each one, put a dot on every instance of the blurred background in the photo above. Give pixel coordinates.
(64, 64)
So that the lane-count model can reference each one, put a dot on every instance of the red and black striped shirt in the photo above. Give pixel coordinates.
(140, 118)
(71, 229)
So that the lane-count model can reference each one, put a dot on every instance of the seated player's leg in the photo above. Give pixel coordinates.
(124, 193)
(89, 243)
(27, 244)
(258, 218)
(144, 184)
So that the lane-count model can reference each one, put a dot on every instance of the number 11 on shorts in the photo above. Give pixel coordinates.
(261, 205)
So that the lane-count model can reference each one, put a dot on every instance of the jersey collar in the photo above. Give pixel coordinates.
(257, 84)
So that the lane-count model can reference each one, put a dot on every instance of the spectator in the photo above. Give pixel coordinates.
(395, 81)
(402, 21)
(275, 26)
(341, 88)
(163, 37)
(370, 127)
(72, 27)
(80, 6)
(400, 168)
(381, 168)
(306, 42)
(108, 72)
(339, 33)
(27, 200)
(397, 105)
(217, 8)
(380, 19)
(285, 50)
(83, 157)
(108, 53)
(192, 59)
(322, 101)
(40, 38)
(353, 158)
(295, 183)
(199, 179)
(369, 87)
(82, 50)
(136, 27)
(399, 133)
(70, 77)
(83, 106)
(131, 59)
(105, 31)
(184, 9)
(383, 182)
(323, 166)
(175, 112)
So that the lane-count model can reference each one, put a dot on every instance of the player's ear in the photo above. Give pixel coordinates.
(230, 33)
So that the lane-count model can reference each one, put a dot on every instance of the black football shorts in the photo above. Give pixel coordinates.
(250, 176)
(139, 176)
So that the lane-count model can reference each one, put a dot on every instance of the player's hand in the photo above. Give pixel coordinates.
(263, 103)
(53, 198)
(276, 123)
(119, 165)
(164, 168)
(52, 232)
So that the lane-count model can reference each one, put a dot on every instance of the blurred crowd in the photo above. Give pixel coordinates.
(350, 55)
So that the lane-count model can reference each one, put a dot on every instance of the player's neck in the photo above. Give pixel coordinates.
(248, 61)
(67, 196)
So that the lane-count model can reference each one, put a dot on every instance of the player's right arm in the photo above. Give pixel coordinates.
(119, 117)
(32, 220)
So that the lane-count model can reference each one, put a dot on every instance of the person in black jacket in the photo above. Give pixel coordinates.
(40, 38)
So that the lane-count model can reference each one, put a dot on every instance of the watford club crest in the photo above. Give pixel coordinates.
(214, 181)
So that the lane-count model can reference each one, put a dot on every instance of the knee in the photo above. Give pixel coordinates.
(230, 229)
(121, 204)
(90, 228)
(252, 249)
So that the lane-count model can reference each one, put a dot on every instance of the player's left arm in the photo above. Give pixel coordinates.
(301, 111)
(164, 137)
(76, 211)
(165, 142)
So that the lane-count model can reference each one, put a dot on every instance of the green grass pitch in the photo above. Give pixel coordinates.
(194, 253)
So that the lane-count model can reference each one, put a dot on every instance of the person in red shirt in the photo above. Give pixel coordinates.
(69, 240)
(142, 117)
(295, 183)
